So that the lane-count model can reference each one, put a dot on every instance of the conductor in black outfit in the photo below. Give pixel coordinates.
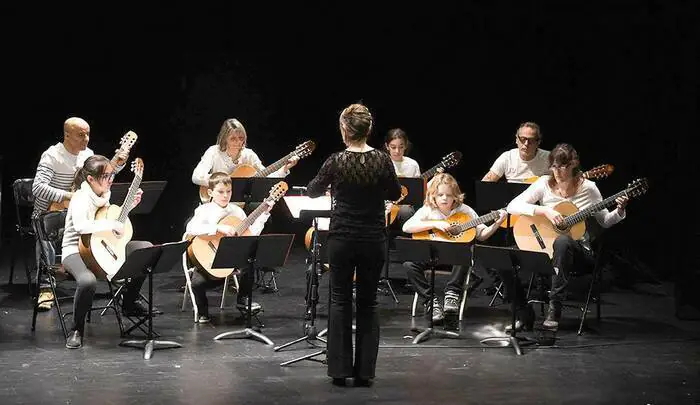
(362, 179)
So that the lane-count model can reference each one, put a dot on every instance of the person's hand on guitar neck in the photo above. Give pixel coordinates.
(622, 202)
(291, 163)
(120, 157)
(502, 214)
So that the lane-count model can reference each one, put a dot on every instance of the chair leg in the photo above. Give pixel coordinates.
(223, 292)
(465, 292)
(59, 312)
(415, 303)
(12, 261)
(35, 301)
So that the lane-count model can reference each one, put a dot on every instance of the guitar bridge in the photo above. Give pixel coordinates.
(536, 232)
(109, 249)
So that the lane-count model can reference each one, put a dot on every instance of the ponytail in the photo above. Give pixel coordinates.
(94, 166)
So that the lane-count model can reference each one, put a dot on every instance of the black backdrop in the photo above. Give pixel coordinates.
(617, 80)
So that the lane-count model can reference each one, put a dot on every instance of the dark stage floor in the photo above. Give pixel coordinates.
(641, 354)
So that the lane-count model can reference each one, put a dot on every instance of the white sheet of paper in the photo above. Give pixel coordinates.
(296, 203)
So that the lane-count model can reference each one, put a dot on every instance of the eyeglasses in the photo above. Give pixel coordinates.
(108, 176)
(556, 166)
(525, 140)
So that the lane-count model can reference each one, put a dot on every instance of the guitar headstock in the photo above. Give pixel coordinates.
(137, 167)
(452, 159)
(305, 149)
(127, 141)
(637, 187)
(277, 191)
(599, 172)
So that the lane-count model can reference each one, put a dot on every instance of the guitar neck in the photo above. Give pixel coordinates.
(431, 172)
(585, 213)
(251, 218)
(275, 166)
(478, 221)
(128, 204)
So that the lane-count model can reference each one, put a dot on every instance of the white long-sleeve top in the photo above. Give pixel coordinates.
(80, 218)
(407, 167)
(207, 216)
(426, 213)
(586, 195)
(214, 160)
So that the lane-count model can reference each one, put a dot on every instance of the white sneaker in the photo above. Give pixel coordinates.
(451, 302)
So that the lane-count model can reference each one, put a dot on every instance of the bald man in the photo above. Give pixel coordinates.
(54, 177)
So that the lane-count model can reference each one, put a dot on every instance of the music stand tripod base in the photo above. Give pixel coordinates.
(154, 259)
(236, 252)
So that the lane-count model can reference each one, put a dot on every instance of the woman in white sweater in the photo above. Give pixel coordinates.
(92, 184)
(565, 183)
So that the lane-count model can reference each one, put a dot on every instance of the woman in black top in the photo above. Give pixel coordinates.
(362, 179)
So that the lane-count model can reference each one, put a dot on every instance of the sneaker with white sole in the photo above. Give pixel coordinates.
(451, 302)
(438, 314)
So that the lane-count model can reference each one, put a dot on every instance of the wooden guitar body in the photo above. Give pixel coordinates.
(537, 233)
(59, 206)
(454, 219)
(104, 252)
(203, 248)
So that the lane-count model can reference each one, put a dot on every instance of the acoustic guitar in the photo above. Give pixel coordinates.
(104, 252)
(463, 228)
(125, 143)
(450, 160)
(203, 248)
(301, 151)
(598, 172)
(537, 233)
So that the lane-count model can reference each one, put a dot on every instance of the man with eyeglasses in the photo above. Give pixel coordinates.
(524, 163)
(53, 180)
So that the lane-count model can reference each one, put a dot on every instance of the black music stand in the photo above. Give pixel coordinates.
(310, 331)
(153, 259)
(492, 196)
(433, 253)
(237, 252)
(151, 193)
(416, 194)
(506, 258)
(252, 189)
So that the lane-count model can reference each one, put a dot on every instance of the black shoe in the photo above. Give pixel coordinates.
(524, 319)
(136, 309)
(553, 315)
(339, 381)
(74, 341)
(362, 382)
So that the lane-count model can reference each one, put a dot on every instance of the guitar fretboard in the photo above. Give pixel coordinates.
(585, 213)
(251, 218)
(275, 166)
(128, 204)
(477, 221)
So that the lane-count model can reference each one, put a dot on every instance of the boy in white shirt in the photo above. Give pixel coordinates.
(206, 222)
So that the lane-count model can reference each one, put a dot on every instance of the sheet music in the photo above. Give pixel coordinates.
(296, 203)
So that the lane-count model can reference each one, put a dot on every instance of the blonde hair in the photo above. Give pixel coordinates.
(436, 182)
(356, 120)
(229, 126)
(219, 178)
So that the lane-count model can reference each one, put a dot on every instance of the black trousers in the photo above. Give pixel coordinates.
(416, 276)
(569, 256)
(87, 284)
(203, 281)
(366, 260)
